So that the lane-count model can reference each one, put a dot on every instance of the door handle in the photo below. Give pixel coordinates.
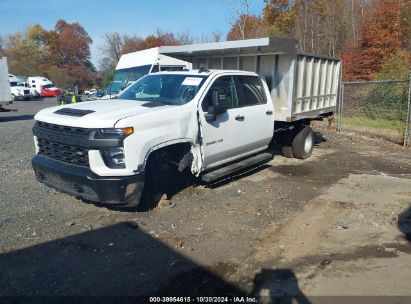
(269, 112)
(239, 117)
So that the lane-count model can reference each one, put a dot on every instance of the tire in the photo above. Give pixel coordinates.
(286, 142)
(303, 143)
(287, 151)
(158, 172)
(13, 98)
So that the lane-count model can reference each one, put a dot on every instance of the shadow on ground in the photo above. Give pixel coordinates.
(122, 261)
(404, 223)
(16, 118)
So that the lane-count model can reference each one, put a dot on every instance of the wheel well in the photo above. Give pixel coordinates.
(173, 153)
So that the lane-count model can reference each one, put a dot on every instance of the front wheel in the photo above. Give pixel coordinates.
(303, 143)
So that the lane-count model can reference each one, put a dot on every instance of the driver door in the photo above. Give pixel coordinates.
(223, 138)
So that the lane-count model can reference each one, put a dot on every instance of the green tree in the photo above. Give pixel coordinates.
(27, 51)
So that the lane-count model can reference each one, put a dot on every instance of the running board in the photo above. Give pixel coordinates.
(248, 162)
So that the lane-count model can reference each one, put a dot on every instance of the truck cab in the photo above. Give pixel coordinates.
(133, 66)
(18, 90)
(43, 86)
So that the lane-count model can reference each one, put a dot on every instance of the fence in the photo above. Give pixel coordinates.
(376, 108)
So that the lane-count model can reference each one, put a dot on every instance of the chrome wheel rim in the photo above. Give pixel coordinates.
(308, 144)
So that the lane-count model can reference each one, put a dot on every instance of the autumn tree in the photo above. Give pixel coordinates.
(62, 54)
(71, 51)
(279, 17)
(396, 66)
(246, 27)
(380, 37)
(27, 51)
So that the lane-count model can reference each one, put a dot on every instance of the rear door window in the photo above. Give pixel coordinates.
(250, 91)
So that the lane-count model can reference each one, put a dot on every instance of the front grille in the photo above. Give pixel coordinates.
(65, 153)
(64, 129)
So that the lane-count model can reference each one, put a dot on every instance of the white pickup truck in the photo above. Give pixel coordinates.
(209, 123)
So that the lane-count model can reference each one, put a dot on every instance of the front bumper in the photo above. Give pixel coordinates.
(83, 183)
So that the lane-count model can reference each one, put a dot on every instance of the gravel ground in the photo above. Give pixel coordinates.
(296, 223)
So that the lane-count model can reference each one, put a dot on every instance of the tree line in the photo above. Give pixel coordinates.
(372, 37)
(61, 54)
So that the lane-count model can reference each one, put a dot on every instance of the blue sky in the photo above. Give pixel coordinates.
(140, 17)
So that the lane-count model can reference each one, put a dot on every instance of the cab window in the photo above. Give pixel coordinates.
(251, 91)
(225, 86)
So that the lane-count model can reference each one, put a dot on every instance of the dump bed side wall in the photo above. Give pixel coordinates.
(316, 86)
(277, 70)
(302, 86)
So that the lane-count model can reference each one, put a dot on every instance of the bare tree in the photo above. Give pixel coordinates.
(115, 45)
(185, 37)
(112, 49)
(216, 36)
(238, 12)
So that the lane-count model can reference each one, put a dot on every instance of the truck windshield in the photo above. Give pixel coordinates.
(114, 87)
(16, 84)
(130, 74)
(170, 89)
(48, 86)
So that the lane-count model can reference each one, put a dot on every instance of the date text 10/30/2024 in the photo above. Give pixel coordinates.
(202, 300)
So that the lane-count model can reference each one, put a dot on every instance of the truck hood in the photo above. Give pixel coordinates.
(97, 113)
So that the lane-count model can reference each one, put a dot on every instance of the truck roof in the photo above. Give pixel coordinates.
(260, 46)
(203, 72)
(148, 57)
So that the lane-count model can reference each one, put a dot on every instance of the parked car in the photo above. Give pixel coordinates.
(90, 92)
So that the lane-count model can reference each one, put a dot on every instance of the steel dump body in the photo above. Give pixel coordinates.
(301, 85)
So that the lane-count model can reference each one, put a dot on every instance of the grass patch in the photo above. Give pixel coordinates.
(396, 125)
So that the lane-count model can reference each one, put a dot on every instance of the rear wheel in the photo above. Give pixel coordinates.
(286, 142)
(13, 97)
(303, 143)
(287, 151)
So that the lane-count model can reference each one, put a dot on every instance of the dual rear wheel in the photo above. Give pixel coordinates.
(299, 144)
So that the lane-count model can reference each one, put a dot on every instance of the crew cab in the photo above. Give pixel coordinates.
(206, 123)
(100, 150)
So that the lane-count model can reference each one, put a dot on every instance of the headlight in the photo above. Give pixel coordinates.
(114, 133)
(114, 157)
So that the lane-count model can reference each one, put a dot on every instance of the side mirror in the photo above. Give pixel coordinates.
(219, 106)
(219, 103)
